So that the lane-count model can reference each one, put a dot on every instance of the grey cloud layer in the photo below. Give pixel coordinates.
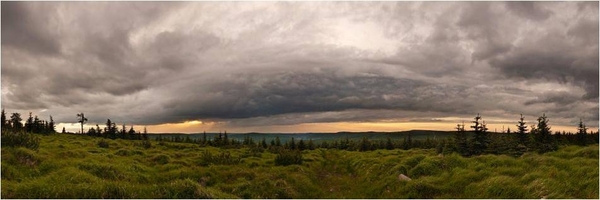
(299, 62)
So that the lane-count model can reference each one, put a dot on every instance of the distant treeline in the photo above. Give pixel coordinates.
(475, 141)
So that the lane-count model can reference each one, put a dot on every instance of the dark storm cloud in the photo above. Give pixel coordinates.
(283, 63)
(21, 29)
(561, 99)
(529, 10)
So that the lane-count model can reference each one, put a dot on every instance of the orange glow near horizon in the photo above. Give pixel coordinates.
(197, 126)
(332, 127)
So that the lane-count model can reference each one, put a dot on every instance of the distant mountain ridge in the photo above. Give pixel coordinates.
(371, 135)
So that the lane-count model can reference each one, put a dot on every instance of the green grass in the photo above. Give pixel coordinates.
(68, 166)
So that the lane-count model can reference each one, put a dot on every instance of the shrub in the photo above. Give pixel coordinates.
(288, 157)
(224, 158)
(20, 139)
(103, 143)
(161, 159)
(146, 144)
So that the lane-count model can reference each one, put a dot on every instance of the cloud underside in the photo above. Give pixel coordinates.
(282, 63)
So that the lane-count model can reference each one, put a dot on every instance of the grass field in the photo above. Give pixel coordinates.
(69, 166)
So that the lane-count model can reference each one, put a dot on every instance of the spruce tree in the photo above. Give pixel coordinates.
(15, 121)
(29, 123)
(51, 126)
(542, 135)
(81, 119)
(388, 144)
(301, 145)
(480, 140)
(3, 119)
(461, 144)
(581, 133)
(522, 131)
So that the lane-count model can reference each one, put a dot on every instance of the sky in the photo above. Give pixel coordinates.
(301, 66)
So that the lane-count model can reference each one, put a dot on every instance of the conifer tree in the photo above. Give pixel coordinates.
(581, 133)
(542, 135)
(29, 123)
(81, 119)
(3, 119)
(15, 121)
(263, 143)
(301, 145)
(277, 141)
(460, 140)
(51, 126)
(310, 144)
(522, 131)
(388, 144)
(131, 133)
(480, 140)
(292, 144)
(145, 134)
(63, 131)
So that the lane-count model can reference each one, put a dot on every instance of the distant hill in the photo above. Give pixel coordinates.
(371, 135)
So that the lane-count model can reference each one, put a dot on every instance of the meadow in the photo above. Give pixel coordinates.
(74, 166)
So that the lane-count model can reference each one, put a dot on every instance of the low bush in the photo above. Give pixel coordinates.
(161, 159)
(146, 144)
(224, 158)
(288, 157)
(20, 139)
(102, 143)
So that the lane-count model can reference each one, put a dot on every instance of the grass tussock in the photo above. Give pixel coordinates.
(67, 166)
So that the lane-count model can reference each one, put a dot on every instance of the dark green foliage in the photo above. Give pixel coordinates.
(161, 159)
(581, 133)
(102, 143)
(224, 158)
(388, 144)
(522, 131)
(544, 142)
(3, 121)
(15, 122)
(481, 140)
(81, 119)
(461, 144)
(288, 157)
(146, 144)
(19, 139)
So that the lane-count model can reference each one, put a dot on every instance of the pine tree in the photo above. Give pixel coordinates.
(29, 123)
(81, 119)
(301, 145)
(51, 126)
(277, 141)
(365, 145)
(263, 143)
(292, 144)
(145, 134)
(3, 119)
(522, 131)
(461, 144)
(15, 121)
(581, 133)
(481, 139)
(543, 138)
(131, 133)
(98, 130)
(310, 144)
(388, 144)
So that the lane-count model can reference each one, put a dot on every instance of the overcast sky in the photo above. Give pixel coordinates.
(276, 66)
